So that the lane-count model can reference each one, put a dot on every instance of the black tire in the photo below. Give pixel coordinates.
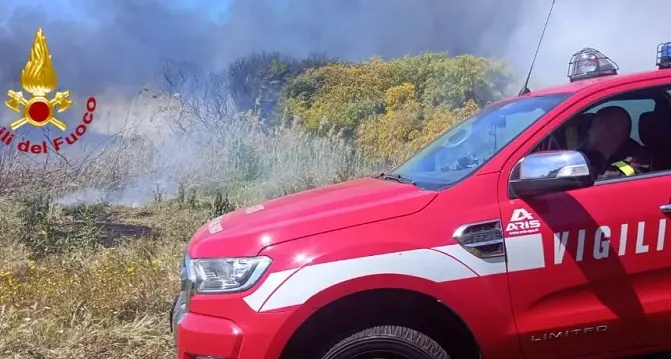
(387, 342)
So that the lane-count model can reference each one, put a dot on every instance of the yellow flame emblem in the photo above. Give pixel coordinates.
(38, 78)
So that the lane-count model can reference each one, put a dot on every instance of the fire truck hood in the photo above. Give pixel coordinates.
(245, 232)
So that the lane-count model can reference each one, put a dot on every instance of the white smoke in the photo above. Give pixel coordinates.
(123, 51)
(627, 31)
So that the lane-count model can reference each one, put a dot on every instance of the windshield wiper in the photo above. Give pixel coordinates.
(395, 177)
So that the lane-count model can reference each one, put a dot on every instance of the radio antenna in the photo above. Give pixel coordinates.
(525, 90)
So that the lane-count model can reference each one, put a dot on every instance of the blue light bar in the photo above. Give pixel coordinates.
(664, 55)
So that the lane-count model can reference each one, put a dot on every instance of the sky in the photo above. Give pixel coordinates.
(129, 38)
(216, 10)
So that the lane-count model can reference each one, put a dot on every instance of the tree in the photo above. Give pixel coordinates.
(254, 81)
(388, 109)
(392, 108)
(339, 94)
(467, 78)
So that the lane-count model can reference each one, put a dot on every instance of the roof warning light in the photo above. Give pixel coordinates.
(590, 63)
(664, 55)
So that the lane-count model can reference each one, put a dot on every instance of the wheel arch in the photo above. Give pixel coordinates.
(413, 307)
(341, 310)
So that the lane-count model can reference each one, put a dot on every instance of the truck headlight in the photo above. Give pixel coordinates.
(225, 275)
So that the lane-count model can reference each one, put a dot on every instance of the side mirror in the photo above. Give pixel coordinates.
(550, 171)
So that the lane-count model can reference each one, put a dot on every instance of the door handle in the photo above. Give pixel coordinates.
(665, 208)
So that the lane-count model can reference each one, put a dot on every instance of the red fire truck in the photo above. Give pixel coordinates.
(497, 240)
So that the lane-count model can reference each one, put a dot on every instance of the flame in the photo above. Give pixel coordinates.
(39, 76)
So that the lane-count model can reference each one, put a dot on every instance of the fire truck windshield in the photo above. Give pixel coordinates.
(465, 147)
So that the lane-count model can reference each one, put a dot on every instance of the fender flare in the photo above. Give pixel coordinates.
(342, 290)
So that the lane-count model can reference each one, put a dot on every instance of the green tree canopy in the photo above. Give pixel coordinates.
(386, 105)
(343, 94)
(254, 81)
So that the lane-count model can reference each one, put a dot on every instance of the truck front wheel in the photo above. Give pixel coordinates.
(387, 342)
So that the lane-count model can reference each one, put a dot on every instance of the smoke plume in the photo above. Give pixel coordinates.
(112, 49)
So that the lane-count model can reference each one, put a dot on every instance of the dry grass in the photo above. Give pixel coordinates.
(95, 302)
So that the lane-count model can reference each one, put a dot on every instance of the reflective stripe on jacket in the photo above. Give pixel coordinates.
(625, 168)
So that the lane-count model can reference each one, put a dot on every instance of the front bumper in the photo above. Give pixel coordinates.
(208, 337)
(224, 326)
(240, 333)
(199, 335)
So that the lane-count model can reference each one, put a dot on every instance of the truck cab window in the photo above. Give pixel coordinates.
(635, 108)
(649, 112)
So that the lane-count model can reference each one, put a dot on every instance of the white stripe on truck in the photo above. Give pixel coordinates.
(441, 264)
